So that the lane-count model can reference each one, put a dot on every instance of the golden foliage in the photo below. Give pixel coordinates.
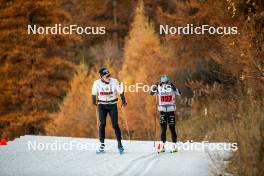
(226, 71)
(145, 60)
(76, 116)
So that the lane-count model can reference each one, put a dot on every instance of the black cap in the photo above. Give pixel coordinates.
(103, 72)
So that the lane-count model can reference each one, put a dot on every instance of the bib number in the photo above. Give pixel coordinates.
(164, 99)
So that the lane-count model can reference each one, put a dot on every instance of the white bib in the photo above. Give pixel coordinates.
(106, 93)
(166, 95)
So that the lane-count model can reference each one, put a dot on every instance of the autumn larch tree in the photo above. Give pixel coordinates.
(35, 69)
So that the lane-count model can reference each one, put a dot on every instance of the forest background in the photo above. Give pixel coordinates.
(45, 80)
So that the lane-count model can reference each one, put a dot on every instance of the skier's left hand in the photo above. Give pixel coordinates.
(124, 104)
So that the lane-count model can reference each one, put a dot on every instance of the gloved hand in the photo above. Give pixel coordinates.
(94, 100)
(124, 104)
(155, 87)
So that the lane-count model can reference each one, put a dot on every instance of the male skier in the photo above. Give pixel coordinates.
(104, 97)
(166, 93)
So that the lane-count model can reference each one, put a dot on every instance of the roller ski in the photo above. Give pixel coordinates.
(161, 148)
(101, 149)
(174, 149)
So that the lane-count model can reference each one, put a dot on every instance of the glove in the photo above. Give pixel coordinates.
(94, 100)
(154, 89)
(124, 103)
(180, 92)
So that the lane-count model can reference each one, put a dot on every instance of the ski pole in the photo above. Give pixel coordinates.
(97, 122)
(127, 127)
(155, 121)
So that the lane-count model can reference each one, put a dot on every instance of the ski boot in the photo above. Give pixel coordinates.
(174, 148)
(101, 149)
(161, 148)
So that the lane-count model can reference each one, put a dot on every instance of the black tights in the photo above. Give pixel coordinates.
(163, 132)
(103, 111)
(165, 118)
